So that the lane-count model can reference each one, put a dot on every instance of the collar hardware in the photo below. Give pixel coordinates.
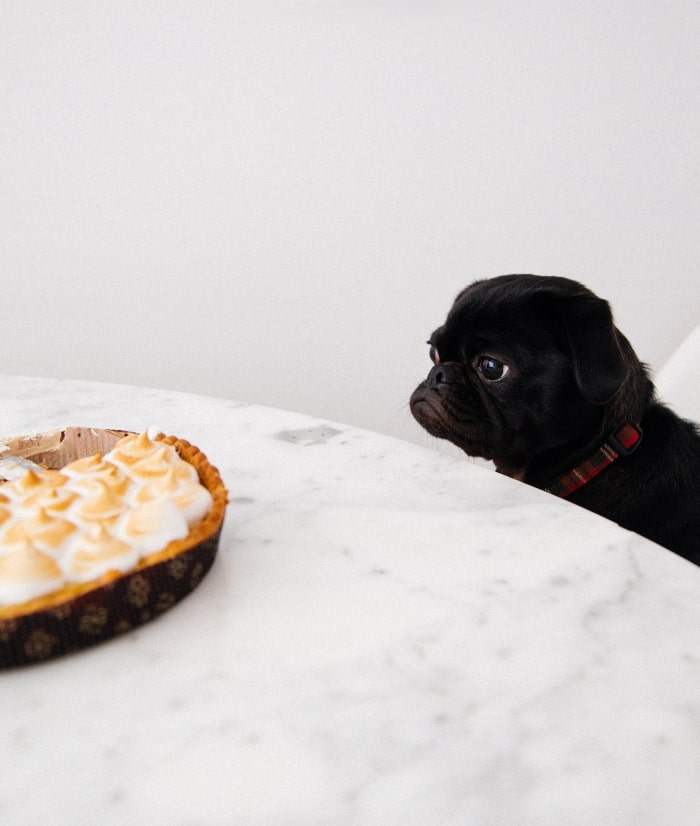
(626, 440)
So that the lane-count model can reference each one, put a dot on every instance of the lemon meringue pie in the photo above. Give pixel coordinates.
(111, 534)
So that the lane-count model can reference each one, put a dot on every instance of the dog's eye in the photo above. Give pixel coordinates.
(434, 355)
(492, 369)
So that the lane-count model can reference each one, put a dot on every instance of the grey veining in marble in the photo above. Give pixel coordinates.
(388, 636)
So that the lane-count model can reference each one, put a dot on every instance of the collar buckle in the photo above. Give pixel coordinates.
(626, 440)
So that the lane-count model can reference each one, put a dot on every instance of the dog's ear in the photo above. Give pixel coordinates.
(596, 348)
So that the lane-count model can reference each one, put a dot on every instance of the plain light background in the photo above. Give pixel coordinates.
(277, 201)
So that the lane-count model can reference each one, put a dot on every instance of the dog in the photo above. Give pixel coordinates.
(531, 373)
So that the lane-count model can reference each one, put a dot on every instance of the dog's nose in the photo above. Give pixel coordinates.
(442, 374)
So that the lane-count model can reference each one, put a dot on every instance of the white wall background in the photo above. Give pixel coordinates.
(277, 201)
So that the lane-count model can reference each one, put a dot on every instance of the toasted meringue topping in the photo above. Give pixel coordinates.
(93, 464)
(98, 552)
(152, 525)
(99, 502)
(160, 463)
(194, 501)
(158, 487)
(83, 474)
(132, 449)
(55, 500)
(22, 491)
(18, 488)
(43, 530)
(26, 573)
(95, 515)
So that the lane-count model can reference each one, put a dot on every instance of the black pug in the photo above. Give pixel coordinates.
(531, 373)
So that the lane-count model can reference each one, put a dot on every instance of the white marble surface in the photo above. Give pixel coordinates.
(388, 636)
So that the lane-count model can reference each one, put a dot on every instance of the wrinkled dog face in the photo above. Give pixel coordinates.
(522, 366)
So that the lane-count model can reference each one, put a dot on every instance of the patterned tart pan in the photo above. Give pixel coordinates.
(80, 615)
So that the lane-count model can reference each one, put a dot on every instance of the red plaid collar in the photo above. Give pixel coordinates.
(622, 442)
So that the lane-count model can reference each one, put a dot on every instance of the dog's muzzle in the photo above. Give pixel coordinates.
(442, 374)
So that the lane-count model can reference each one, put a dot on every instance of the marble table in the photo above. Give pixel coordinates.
(388, 636)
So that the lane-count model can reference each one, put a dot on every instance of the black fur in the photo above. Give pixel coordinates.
(572, 379)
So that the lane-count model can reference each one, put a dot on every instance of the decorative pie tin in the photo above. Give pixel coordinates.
(82, 614)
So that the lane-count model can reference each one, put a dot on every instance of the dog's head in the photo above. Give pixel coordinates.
(526, 370)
